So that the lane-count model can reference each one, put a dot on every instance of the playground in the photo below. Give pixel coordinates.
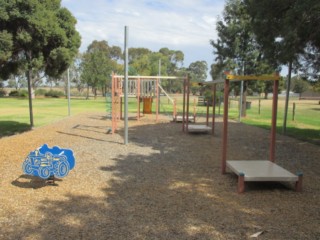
(164, 184)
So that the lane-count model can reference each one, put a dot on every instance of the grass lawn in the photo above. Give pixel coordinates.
(14, 113)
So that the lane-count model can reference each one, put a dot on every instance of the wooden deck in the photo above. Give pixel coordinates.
(261, 170)
(193, 128)
(180, 118)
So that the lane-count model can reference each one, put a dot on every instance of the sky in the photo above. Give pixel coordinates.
(185, 25)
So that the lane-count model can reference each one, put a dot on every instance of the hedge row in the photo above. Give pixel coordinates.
(38, 92)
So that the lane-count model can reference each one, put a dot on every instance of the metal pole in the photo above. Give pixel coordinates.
(126, 85)
(69, 112)
(214, 106)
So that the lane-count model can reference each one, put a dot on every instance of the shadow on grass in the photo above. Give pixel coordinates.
(9, 128)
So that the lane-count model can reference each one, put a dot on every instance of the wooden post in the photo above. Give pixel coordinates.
(214, 107)
(174, 110)
(138, 96)
(298, 186)
(241, 183)
(274, 121)
(188, 98)
(207, 116)
(293, 111)
(194, 109)
(225, 126)
(184, 104)
(157, 97)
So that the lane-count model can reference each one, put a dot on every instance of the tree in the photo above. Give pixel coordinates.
(41, 38)
(286, 31)
(236, 47)
(97, 65)
(75, 73)
(197, 73)
(17, 82)
(299, 85)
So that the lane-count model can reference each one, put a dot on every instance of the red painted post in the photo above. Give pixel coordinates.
(184, 104)
(298, 186)
(188, 98)
(138, 93)
(194, 110)
(241, 183)
(157, 103)
(174, 110)
(214, 107)
(207, 121)
(112, 104)
(225, 126)
(274, 120)
(121, 108)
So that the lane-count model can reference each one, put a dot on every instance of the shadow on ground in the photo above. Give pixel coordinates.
(173, 190)
(9, 128)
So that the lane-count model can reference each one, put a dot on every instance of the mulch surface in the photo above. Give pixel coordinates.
(165, 184)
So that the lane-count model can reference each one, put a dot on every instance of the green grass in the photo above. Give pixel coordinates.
(14, 113)
(305, 125)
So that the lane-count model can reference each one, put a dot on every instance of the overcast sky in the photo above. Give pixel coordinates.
(186, 25)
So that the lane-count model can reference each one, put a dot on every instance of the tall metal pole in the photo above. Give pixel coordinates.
(69, 112)
(126, 85)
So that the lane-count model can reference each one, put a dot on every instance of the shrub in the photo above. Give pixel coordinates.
(14, 93)
(3, 93)
(54, 94)
(40, 92)
(21, 93)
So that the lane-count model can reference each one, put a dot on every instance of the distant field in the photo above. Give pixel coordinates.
(14, 113)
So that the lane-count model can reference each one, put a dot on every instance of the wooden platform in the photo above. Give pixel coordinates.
(261, 170)
(193, 128)
(180, 118)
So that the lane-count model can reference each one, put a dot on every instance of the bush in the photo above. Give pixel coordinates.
(14, 93)
(21, 93)
(54, 94)
(40, 92)
(3, 93)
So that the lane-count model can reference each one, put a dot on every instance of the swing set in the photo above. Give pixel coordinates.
(145, 89)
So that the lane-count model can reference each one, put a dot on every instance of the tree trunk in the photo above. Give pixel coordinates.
(284, 127)
(87, 93)
(244, 100)
(30, 93)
